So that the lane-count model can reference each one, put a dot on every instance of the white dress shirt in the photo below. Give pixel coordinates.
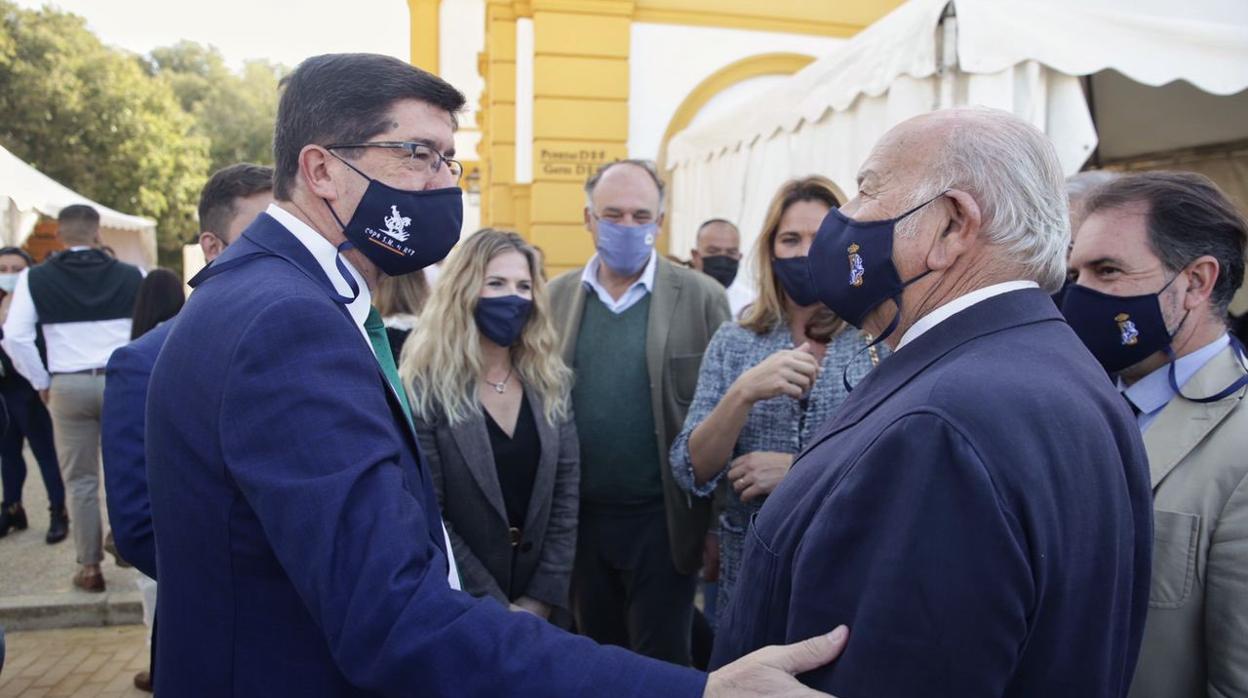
(72, 346)
(740, 295)
(956, 306)
(326, 255)
(634, 293)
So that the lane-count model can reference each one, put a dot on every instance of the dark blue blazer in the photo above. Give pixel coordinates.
(978, 512)
(298, 537)
(122, 447)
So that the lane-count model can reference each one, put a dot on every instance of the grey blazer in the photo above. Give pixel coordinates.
(1196, 635)
(461, 461)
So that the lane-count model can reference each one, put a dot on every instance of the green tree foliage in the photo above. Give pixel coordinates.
(91, 117)
(138, 134)
(233, 111)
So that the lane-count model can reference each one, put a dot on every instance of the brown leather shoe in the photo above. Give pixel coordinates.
(89, 581)
(143, 681)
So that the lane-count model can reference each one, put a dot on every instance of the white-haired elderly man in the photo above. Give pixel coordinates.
(978, 510)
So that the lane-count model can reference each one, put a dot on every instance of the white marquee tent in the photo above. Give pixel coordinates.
(26, 193)
(1112, 82)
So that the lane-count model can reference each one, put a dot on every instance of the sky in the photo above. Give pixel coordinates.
(283, 31)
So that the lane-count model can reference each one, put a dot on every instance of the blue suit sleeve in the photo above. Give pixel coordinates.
(122, 448)
(917, 553)
(313, 446)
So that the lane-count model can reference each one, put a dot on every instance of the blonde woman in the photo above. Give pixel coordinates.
(490, 398)
(768, 381)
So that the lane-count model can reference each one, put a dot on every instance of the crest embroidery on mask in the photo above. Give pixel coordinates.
(1126, 329)
(856, 269)
(397, 224)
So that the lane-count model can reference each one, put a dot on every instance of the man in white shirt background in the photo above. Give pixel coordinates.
(83, 299)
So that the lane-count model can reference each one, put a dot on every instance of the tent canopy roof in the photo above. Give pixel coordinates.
(31, 190)
(1148, 43)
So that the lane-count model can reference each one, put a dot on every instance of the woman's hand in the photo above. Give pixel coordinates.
(788, 372)
(533, 606)
(758, 473)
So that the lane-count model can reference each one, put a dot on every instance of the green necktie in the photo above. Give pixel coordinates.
(381, 347)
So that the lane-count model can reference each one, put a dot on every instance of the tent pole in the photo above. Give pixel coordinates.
(947, 51)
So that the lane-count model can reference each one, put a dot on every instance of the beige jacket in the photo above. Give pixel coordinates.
(686, 307)
(1196, 636)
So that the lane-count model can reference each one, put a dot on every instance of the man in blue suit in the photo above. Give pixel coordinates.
(231, 199)
(299, 543)
(978, 511)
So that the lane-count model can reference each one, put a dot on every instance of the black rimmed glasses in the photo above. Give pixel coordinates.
(424, 157)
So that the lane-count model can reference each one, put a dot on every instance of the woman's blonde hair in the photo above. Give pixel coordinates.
(768, 309)
(442, 360)
(401, 295)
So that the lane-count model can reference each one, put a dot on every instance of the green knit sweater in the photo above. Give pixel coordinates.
(614, 418)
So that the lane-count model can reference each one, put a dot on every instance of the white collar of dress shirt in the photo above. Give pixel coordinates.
(1153, 392)
(957, 305)
(325, 254)
(589, 275)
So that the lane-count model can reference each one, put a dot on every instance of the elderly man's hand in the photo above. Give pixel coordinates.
(770, 671)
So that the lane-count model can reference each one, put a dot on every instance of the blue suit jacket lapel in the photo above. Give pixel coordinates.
(266, 236)
(998, 313)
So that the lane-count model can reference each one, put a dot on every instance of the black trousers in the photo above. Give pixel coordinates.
(625, 589)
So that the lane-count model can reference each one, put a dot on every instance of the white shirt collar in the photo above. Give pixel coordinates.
(957, 305)
(639, 288)
(326, 254)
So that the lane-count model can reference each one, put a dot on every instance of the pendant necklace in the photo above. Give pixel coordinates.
(500, 387)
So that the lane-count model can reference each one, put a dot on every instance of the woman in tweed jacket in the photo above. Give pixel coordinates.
(769, 381)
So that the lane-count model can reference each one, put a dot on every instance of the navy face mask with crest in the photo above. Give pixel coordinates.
(1122, 331)
(851, 265)
(400, 230)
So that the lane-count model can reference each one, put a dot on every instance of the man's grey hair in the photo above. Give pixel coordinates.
(648, 165)
(1011, 170)
(1079, 186)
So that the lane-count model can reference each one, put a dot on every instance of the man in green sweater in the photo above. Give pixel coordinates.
(634, 327)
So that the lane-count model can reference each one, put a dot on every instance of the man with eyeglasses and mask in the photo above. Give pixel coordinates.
(1155, 264)
(299, 545)
(978, 507)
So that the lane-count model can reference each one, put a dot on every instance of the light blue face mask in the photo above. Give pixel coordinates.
(8, 282)
(625, 249)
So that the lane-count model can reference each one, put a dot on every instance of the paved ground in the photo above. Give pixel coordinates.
(95, 662)
(29, 566)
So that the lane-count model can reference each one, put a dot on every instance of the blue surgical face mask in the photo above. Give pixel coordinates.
(8, 282)
(625, 249)
(794, 276)
(502, 318)
(400, 230)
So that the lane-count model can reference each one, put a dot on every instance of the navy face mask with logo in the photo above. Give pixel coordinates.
(1122, 331)
(851, 265)
(402, 231)
(794, 276)
(502, 318)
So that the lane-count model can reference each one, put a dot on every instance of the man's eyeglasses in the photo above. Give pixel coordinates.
(424, 157)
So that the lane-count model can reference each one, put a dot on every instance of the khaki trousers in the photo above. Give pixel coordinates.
(75, 403)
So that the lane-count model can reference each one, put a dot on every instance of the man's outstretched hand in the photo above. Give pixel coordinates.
(770, 671)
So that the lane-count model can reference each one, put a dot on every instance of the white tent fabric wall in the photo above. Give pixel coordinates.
(1021, 56)
(26, 193)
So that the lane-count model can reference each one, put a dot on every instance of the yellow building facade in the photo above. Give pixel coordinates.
(558, 87)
